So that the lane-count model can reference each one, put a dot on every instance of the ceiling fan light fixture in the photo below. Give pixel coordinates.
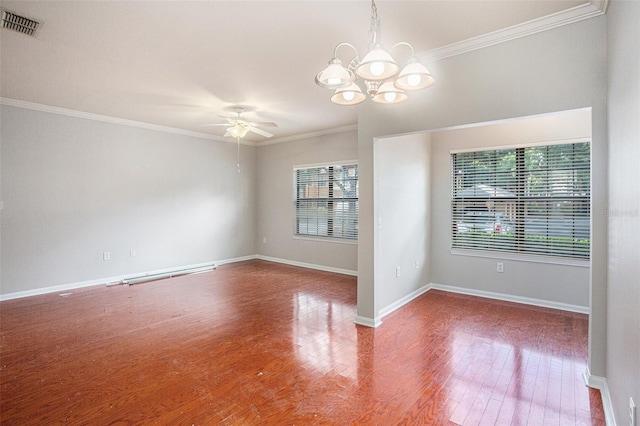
(349, 95)
(238, 131)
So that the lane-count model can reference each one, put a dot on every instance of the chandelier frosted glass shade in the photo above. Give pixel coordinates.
(377, 65)
(334, 75)
(349, 95)
(414, 76)
(389, 94)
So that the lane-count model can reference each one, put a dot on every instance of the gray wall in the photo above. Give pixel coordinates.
(403, 216)
(559, 284)
(73, 188)
(275, 201)
(557, 70)
(623, 313)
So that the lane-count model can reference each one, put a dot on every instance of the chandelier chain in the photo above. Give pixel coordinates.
(374, 31)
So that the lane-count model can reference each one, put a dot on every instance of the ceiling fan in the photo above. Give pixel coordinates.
(238, 127)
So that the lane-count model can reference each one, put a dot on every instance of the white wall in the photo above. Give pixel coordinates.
(560, 285)
(556, 70)
(623, 313)
(403, 215)
(275, 209)
(73, 188)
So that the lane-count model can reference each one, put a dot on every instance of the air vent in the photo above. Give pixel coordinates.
(19, 23)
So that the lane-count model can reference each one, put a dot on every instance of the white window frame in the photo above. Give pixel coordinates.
(335, 227)
(493, 248)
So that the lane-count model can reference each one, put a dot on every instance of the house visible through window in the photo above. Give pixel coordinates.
(326, 201)
(533, 200)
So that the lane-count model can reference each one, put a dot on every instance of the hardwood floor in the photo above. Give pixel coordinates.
(262, 343)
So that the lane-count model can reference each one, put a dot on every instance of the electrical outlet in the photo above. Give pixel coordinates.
(264, 240)
(500, 267)
(632, 412)
(417, 264)
(132, 253)
(397, 272)
(106, 255)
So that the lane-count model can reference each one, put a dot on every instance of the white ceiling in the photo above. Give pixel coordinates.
(180, 64)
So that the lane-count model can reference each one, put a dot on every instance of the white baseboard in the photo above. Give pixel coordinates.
(406, 299)
(307, 265)
(511, 298)
(118, 278)
(600, 383)
(110, 280)
(368, 322)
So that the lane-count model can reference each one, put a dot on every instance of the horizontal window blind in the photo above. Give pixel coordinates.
(532, 200)
(326, 201)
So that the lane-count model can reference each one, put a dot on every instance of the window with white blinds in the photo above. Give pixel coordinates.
(326, 201)
(533, 200)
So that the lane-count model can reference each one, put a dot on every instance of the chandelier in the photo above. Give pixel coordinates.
(380, 74)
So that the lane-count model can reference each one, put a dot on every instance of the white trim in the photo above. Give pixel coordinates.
(368, 322)
(325, 164)
(115, 120)
(522, 145)
(139, 124)
(321, 239)
(111, 280)
(512, 298)
(406, 299)
(307, 265)
(600, 383)
(521, 257)
(118, 278)
(308, 135)
(585, 11)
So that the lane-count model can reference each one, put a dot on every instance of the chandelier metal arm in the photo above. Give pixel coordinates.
(404, 43)
(344, 43)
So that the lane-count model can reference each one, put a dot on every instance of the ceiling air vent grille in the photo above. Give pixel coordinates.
(18, 23)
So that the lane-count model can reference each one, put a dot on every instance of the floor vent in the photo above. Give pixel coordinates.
(19, 23)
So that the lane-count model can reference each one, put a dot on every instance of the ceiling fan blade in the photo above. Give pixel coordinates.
(260, 132)
(264, 124)
(220, 124)
(226, 134)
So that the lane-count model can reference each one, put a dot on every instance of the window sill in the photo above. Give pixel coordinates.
(325, 239)
(522, 257)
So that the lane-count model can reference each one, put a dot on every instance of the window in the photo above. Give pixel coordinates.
(326, 201)
(533, 200)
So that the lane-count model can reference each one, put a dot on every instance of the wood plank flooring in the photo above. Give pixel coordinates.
(262, 343)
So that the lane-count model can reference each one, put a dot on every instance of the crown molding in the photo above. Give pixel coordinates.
(131, 123)
(114, 120)
(299, 136)
(578, 13)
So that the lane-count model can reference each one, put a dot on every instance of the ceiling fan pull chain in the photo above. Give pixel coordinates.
(238, 160)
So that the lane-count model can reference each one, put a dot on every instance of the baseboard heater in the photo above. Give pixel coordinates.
(161, 275)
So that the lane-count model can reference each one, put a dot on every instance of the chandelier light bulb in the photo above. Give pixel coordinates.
(348, 95)
(377, 68)
(413, 80)
(390, 96)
